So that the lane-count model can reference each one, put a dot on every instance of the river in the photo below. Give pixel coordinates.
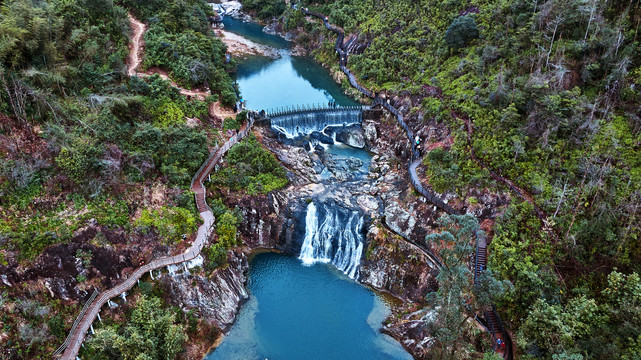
(306, 308)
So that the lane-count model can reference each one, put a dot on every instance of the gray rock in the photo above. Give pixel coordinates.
(370, 131)
(398, 219)
(356, 139)
(354, 163)
(218, 297)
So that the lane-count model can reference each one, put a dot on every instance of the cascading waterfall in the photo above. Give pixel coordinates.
(333, 239)
(306, 123)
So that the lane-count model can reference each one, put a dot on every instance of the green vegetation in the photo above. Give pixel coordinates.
(265, 9)
(227, 221)
(550, 90)
(152, 332)
(457, 300)
(179, 40)
(82, 143)
(170, 224)
(251, 168)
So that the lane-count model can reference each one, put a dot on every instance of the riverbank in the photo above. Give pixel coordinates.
(241, 47)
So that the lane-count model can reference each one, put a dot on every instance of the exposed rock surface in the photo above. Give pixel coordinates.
(277, 221)
(216, 297)
(397, 267)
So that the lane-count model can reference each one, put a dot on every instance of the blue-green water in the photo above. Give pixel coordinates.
(301, 312)
(297, 312)
(291, 80)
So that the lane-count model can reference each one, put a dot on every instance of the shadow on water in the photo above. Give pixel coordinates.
(291, 80)
(254, 32)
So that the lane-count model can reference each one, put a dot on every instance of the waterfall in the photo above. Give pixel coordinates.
(305, 123)
(333, 237)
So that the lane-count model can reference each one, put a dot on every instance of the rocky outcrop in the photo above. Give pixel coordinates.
(411, 332)
(397, 267)
(216, 297)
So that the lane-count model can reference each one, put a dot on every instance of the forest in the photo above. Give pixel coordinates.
(83, 145)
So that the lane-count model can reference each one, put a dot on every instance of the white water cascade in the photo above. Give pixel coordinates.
(333, 239)
(303, 124)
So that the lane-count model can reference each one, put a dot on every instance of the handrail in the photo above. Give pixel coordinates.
(62, 347)
(86, 317)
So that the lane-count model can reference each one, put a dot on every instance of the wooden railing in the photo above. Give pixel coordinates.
(87, 316)
(492, 319)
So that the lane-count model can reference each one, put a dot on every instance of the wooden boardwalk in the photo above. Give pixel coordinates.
(77, 336)
(492, 321)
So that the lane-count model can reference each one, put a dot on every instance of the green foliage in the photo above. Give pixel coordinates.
(265, 9)
(168, 114)
(79, 160)
(457, 298)
(551, 109)
(230, 124)
(461, 32)
(216, 255)
(152, 332)
(227, 221)
(169, 223)
(251, 168)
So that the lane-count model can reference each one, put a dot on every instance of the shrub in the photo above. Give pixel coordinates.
(168, 222)
(251, 168)
(230, 123)
(461, 32)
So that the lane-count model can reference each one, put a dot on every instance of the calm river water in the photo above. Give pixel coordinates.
(300, 312)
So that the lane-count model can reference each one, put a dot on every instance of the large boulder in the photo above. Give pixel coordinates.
(352, 135)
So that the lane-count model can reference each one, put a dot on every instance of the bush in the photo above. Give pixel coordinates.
(251, 168)
(79, 159)
(230, 123)
(169, 223)
(461, 32)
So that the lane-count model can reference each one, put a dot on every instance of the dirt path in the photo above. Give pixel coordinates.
(137, 44)
(134, 59)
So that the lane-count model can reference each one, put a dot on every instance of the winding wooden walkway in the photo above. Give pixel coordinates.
(492, 322)
(78, 334)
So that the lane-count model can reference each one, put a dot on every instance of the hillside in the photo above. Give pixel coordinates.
(535, 99)
(95, 165)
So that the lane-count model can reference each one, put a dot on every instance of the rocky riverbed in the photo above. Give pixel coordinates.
(276, 222)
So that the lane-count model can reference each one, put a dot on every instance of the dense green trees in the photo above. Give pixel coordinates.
(81, 142)
(450, 316)
(251, 168)
(265, 9)
(461, 32)
(549, 88)
(151, 333)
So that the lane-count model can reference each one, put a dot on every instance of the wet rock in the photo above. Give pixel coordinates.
(411, 332)
(321, 137)
(351, 135)
(354, 163)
